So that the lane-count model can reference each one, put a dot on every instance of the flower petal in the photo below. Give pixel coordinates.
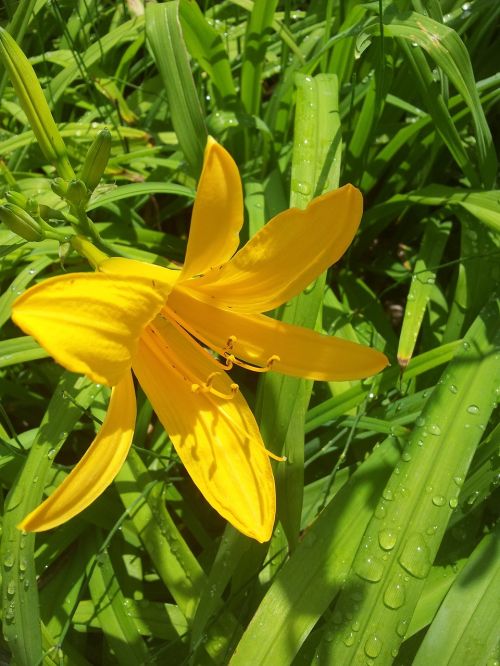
(257, 338)
(217, 213)
(89, 322)
(98, 467)
(217, 439)
(162, 278)
(286, 255)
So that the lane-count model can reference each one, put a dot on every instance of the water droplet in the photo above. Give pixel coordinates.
(8, 561)
(434, 429)
(394, 596)
(431, 531)
(473, 497)
(406, 456)
(301, 187)
(23, 564)
(466, 9)
(420, 442)
(355, 626)
(369, 567)
(348, 639)
(473, 409)
(10, 614)
(466, 345)
(420, 422)
(11, 588)
(51, 454)
(380, 511)
(453, 388)
(415, 557)
(402, 628)
(388, 494)
(453, 503)
(439, 500)
(373, 646)
(458, 480)
(395, 652)
(387, 539)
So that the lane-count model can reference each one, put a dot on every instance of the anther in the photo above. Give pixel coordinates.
(232, 339)
(272, 359)
(208, 388)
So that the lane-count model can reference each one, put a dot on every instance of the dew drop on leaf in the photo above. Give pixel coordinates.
(387, 539)
(415, 557)
(369, 567)
(373, 646)
(394, 595)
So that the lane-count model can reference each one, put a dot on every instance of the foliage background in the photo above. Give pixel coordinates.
(386, 548)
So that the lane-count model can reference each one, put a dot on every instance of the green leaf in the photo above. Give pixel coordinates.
(19, 589)
(164, 35)
(468, 616)
(424, 275)
(403, 536)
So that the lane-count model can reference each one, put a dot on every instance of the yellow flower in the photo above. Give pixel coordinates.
(131, 315)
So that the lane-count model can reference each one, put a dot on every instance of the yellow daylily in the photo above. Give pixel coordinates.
(158, 322)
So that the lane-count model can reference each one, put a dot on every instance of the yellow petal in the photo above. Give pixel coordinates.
(89, 322)
(257, 339)
(98, 467)
(217, 439)
(217, 213)
(163, 279)
(286, 255)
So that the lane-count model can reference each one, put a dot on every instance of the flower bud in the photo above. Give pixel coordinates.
(20, 222)
(76, 193)
(16, 198)
(59, 186)
(96, 160)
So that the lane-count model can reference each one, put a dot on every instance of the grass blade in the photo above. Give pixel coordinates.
(468, 616)
(401, 541)
(164, 35)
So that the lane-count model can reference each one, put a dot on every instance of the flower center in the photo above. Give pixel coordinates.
(225, 352)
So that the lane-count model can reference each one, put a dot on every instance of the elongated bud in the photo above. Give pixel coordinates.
(96, 160)
(34, 104)
(20, 222)
(77, 193)
(16, 198)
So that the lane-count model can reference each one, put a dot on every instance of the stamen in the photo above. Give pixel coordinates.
(272, 359)
(208, 388)
(231, 358)
(185, 372)
(275, 457)
(230, 343)
(187, 335)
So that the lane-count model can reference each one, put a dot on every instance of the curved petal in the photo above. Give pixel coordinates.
(89, 322)
(257, 339)
(162, 278)
(286, 255)
(216, 438)
(98, 467)
(217, 213)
